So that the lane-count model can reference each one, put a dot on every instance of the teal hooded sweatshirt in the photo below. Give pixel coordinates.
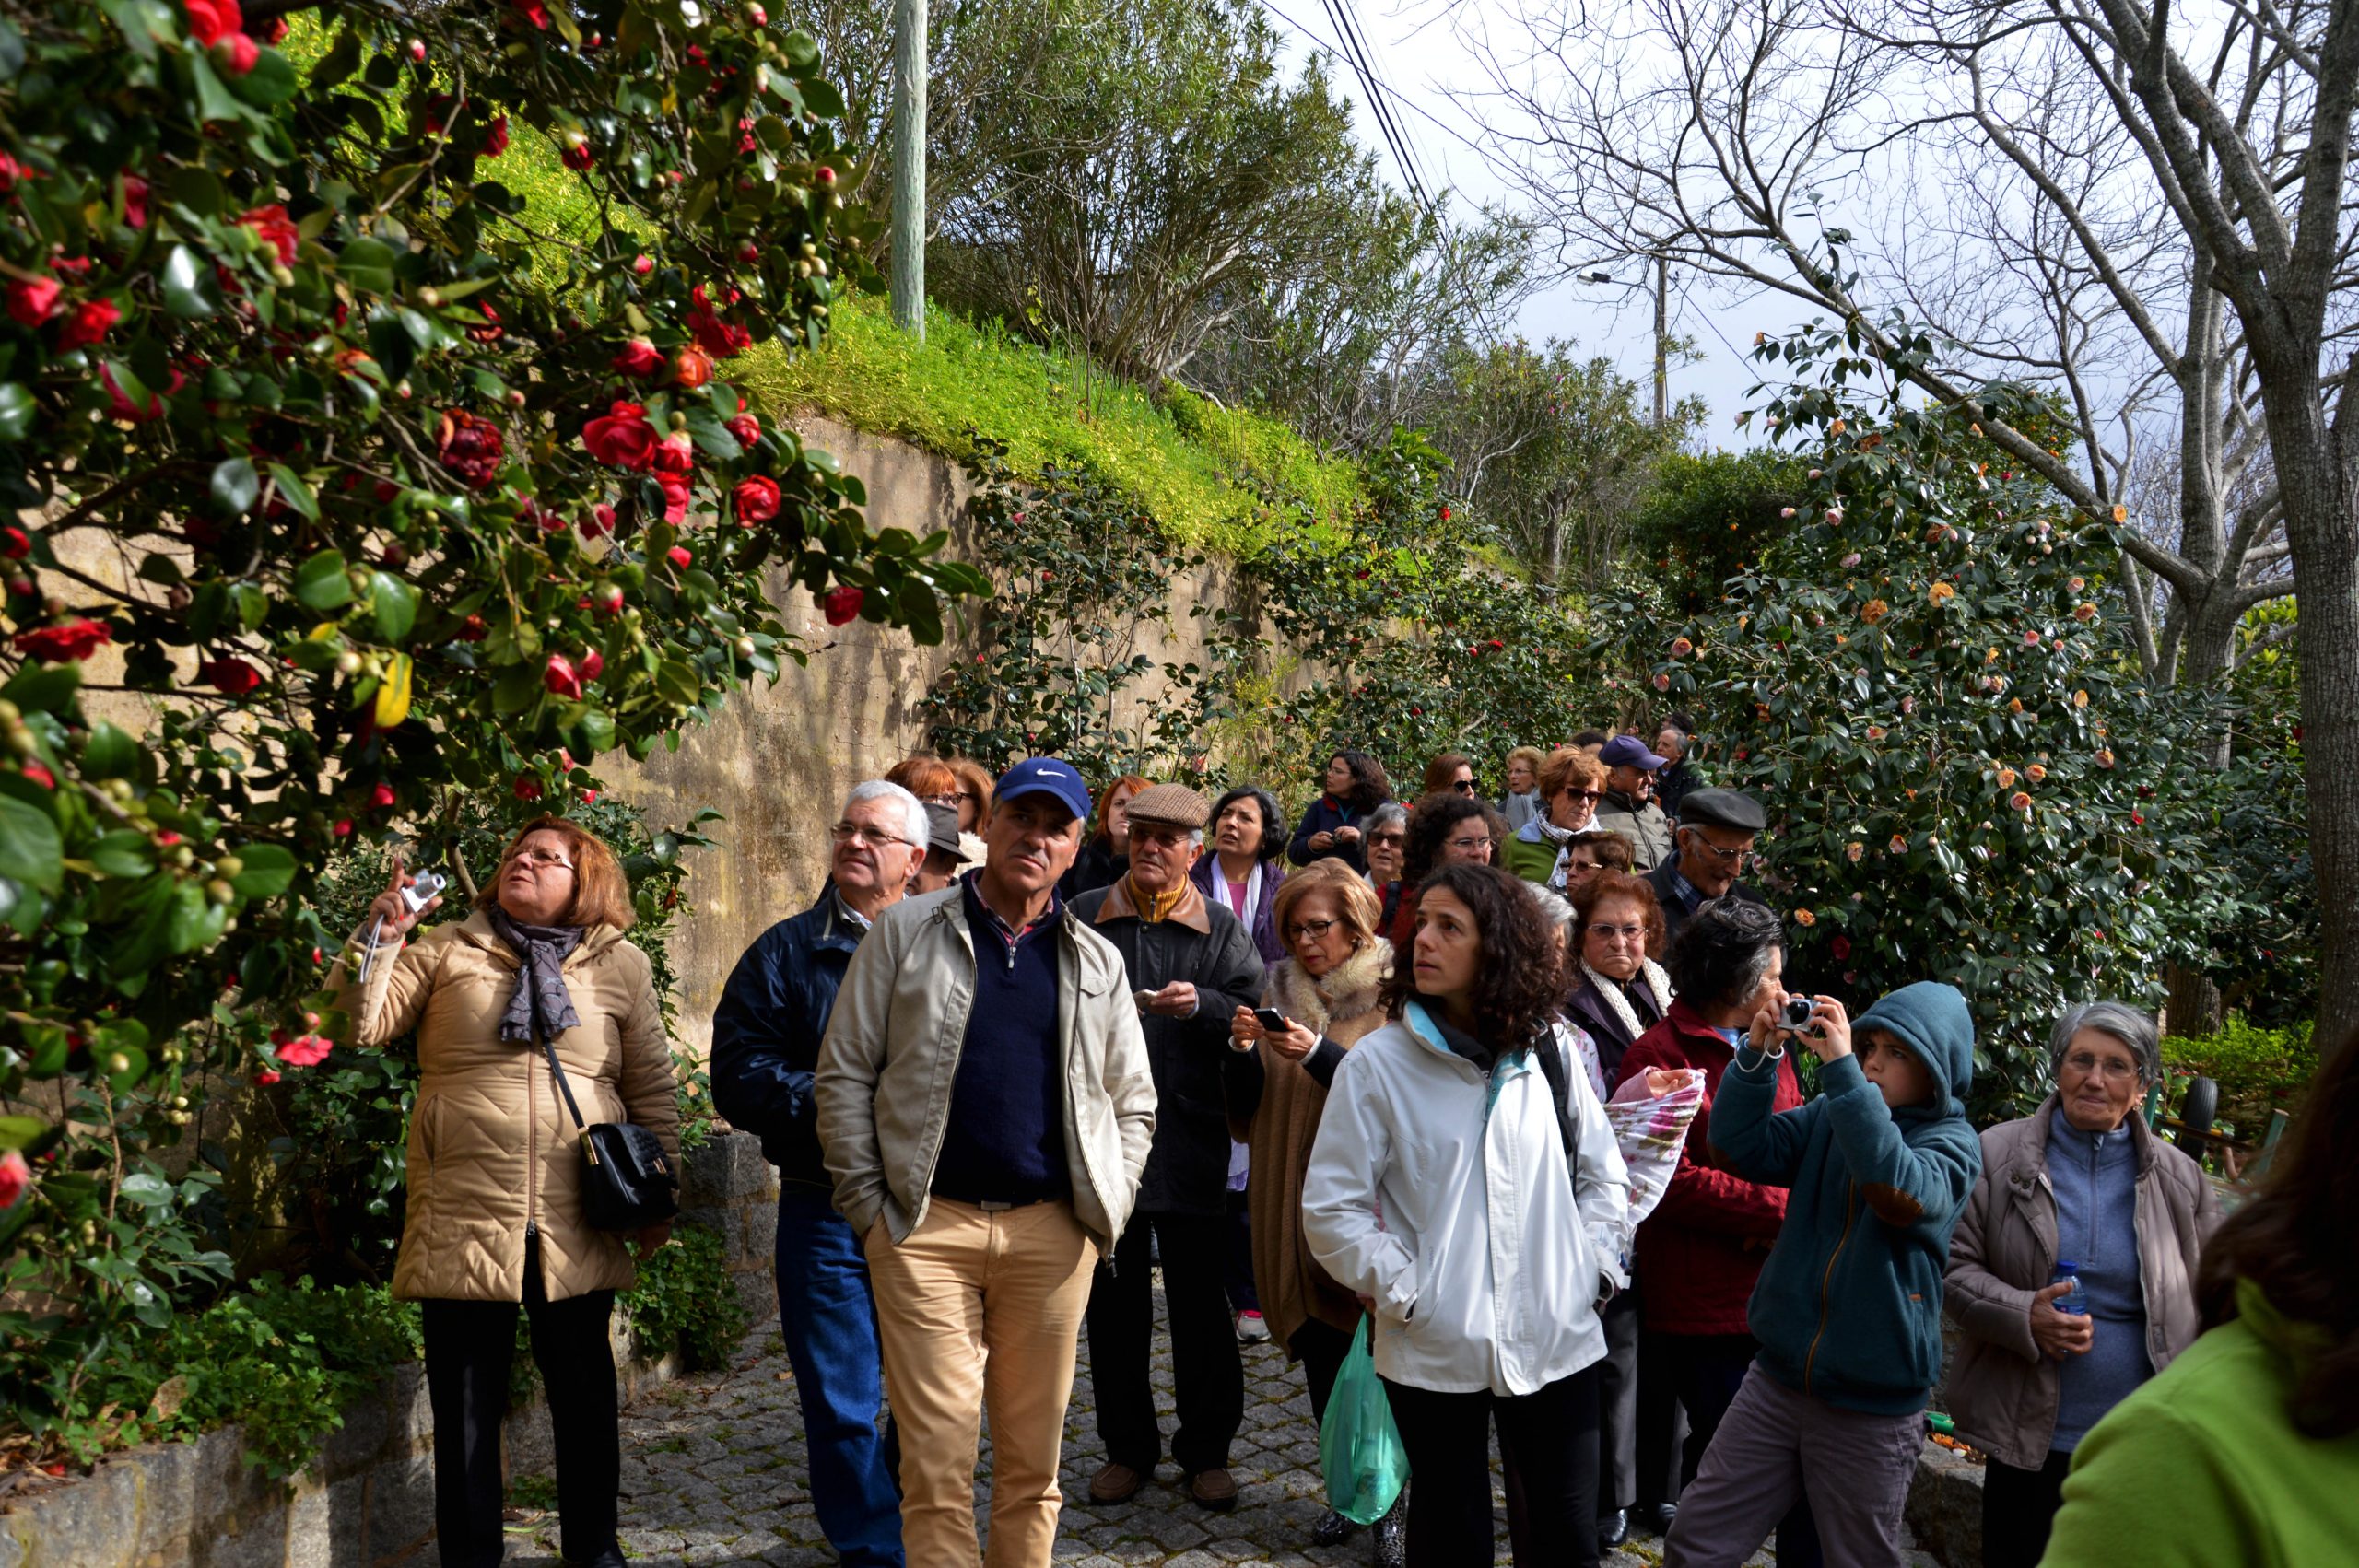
(1848, 1307)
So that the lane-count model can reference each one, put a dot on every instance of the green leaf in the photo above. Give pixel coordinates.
(109, 754)
(266, 870)
(514, 691)
(43, 688)
(187, 286)
(272, 81)
(295, 491)
(236, 485)
(367, 265)
(16, 410)
(676, 680)
(147, 1190)
(30, 850)
(396, 605)
(20, 1132)
(594, 733)
(706, 429)
(323, 582)
(214, 102)
(124, 853)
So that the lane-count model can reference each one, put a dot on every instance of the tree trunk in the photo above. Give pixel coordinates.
(2193, 1004)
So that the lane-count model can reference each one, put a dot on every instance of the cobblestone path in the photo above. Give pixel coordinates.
(714, 1473)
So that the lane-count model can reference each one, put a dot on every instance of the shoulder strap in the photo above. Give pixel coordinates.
(563, 1087)
(1552, 1066)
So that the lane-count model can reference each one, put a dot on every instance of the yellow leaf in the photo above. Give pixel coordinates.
(2121, 514)
(392, 693)
(321, 632)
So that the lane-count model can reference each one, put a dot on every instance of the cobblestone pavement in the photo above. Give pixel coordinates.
(713, 1473)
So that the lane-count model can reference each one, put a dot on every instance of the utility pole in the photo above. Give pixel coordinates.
(1661, 338)
(908, 167)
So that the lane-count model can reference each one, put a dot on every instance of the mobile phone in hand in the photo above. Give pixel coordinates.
(1269, 1018)
(1142, 999)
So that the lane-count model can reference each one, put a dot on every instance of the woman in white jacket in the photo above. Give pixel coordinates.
(1482, 1215)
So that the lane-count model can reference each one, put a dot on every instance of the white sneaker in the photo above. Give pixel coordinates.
(1251, 1330)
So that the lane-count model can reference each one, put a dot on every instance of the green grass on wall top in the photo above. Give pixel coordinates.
(1189, 462)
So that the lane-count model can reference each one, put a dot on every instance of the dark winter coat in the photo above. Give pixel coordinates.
(1325, 816)
(766, 1034)
(1263, 925)
(1095, 867)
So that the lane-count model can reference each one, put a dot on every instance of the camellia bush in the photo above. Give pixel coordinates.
(1965, 779)
(354, 475)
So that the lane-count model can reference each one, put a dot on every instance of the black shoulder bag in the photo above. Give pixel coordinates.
(627, 1182)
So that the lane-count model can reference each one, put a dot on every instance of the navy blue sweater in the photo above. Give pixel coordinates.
(1005, 1142)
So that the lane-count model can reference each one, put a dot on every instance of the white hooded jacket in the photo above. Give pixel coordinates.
(1444, 1194)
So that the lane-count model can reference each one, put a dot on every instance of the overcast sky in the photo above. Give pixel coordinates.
(1436, 88)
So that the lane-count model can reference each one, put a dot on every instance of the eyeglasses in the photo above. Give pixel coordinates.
(1310, 930)
(852, 833)
(1469, 845)
(538, 858)
(1387, 840)
(2089, 1066)
(1619, 934)
(1592, 796)
(1738, 857)
(1465, 786)
(952, 799)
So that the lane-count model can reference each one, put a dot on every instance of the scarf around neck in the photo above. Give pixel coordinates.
(1562, 837)
(541, 1008)
(1658, 982)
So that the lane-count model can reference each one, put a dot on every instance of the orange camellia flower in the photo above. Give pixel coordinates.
(1804, 918)
(2006, 778)
(2015, 705)
(1875, 610)
(1875, 731)
(2020, 801)
(2035, 773)
(2084, 612)
(1941, 594)
(1852, 852)
(2081, 699)
(2104, 757)
(691, 367)
(2076, 584)
(1898, 844)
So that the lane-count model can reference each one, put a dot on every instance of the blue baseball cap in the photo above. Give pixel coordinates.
(1045, 776)
(1628, 751)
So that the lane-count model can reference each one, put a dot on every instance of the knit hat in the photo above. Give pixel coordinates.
(1933, 1021)
(1171, 805)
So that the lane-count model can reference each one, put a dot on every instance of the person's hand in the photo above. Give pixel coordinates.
(1347, 836)
(389, 906)
(1323, 841)
(1177, 999)
(1661, 1081)
(1244, 1029)
(1829, 1034)
(1297, 1042)
(2059, 1334)
(649, 1237)
(1367, 1303)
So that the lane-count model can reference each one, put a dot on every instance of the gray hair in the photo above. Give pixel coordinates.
(915, 827)
(1385, 816)
(2132, 1026)
(1553, 907)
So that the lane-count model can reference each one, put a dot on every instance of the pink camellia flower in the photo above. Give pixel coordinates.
(562, 679)
(841, 603)
(589, 666)
(1850, 560)
(38, 775)
(14, 1177)
(1852, 852)
(679, 556)
(381, 797)
(135, 200)
(534, 12)
(495, 139)
(640, 360)
(675, 495)
(1680, 647)
(90, 322)
(266, 1077)
(675, 454)
(236, 54)
(621, 436)
(273, 224)
(63, 643)
(2031, 640)
(642, 263)
(757, 499)
(305, 1050)
(235, 677)
(1662, 682)
(33, 300)
(210, 21)
(10, 172)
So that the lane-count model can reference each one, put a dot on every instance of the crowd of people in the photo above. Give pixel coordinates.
(1374, 1069)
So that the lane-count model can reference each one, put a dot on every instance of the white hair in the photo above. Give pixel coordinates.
(915, 825)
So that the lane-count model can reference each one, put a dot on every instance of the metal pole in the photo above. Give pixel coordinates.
(909, 166)
(1662, 328)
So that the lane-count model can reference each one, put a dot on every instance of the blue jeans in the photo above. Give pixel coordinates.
(827, 1318)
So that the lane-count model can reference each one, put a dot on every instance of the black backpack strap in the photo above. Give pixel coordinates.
(563, 1086)
(1552, 1066)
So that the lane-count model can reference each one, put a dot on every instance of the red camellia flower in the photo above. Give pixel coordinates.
(266, 1077)
(746, 427)
(38, 775)
(599, 523)
(562, 679)
(279, 30)
(691, 367)
(472, 447)
(842, 604)
(15, 1176)
(675, 495)
(527, 787)
(473, 629)
(63, 643)
(381, 797)
(639, 360)
(722, 340)
(90, 321)
(273, 224)
(234, 676)
(135, 200)
(678, 555)
(15, 544)
(491, 331)
(675, 454)
(122, 408)
(1840, 947)
(10, 172)
(622, 436)
(589, 666)
(304, 1050)
(210, 21)
(577, 157)
(533, 12)
(33, 300)
(494, 140)
(757, 499)
(642, 263)
(236, 54)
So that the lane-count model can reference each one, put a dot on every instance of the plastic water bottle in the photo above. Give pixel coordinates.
(2076, 1300)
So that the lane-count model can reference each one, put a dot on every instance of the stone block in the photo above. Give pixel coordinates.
(1946, 1505)
(756, 1241)
(311, 1516)
(169, 1505)
(367, 1426)
(400, 1507)
(728, 1168)
(94, 1524)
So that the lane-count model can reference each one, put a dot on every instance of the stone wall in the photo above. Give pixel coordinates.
(369, 1499)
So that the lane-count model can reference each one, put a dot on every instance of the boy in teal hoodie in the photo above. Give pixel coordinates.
(1848, 1308)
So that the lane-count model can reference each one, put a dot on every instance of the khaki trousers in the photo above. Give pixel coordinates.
(980, 1308)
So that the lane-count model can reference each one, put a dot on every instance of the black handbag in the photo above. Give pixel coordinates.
(627, 1182)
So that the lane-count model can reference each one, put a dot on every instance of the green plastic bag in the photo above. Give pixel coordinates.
(1359, 1448)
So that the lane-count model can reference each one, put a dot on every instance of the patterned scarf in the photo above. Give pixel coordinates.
(542, 1007)
(1611, 989)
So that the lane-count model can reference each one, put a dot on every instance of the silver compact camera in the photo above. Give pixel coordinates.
(423, 889)
(1793, 1014)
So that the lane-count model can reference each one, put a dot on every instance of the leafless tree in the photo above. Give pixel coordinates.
(2146, 213)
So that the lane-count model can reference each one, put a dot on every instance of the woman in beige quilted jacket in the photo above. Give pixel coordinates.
(494, 1219)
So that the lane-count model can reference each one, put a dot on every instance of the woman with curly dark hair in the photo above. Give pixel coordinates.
(1244, 869)
(1354, 785)
(2246, 1448)
(1466, 1185)
(1445, 828)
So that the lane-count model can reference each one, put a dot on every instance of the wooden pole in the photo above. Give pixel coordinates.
(909, 166)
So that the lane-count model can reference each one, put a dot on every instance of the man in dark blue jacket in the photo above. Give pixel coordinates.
(766, 1038)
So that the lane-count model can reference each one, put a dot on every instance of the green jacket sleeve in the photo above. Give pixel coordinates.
(2149, 1487)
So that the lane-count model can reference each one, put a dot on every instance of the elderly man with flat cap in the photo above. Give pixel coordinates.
(1629, 807)
(1715, 832)
(1191, 966)
(945, 852)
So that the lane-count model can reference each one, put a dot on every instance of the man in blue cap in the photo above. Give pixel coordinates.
(1629, 807)
(986, 1106)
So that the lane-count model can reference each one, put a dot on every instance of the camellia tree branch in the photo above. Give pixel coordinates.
(408, 503)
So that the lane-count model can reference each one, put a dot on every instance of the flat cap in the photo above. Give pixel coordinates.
(1722, 808)
(942, 829)
(1173, 805)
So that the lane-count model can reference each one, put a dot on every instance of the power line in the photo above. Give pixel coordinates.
(1378, 90)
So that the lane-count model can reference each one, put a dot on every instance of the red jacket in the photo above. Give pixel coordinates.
(1701, 1250)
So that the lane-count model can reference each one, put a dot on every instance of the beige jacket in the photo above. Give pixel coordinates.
(491, 1146)
(2002, 1392)
(892, 1051)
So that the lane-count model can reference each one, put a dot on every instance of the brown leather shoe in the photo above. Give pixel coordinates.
(1118, 1483)
(1215, 1489)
